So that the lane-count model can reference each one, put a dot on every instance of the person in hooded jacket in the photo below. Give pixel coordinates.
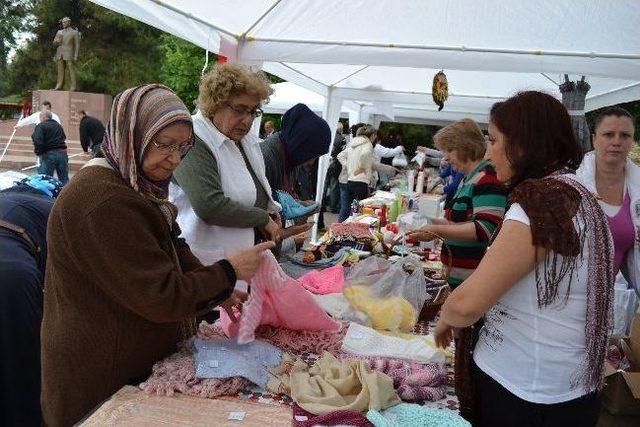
(304, 137)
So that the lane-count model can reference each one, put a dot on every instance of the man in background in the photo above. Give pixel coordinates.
(269, 128)
(91, 133)
(49, 144)
(34, 119)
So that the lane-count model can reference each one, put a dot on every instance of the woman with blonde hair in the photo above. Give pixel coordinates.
(223, 196)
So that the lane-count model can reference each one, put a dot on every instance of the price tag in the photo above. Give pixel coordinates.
(236, 416)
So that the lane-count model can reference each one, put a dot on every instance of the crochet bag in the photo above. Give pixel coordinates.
(277, 300)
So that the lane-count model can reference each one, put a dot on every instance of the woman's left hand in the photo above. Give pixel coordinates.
(235, 301)
(443, 334)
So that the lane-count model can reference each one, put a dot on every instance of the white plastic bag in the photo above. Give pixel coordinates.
(391, 294)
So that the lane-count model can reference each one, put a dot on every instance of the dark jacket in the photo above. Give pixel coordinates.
(119, 292)
(335, 167)
(48, 136)
(91, 132)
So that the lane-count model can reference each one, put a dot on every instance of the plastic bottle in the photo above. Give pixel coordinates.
(383, 216)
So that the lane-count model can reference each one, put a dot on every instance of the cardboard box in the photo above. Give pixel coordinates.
(621, 395)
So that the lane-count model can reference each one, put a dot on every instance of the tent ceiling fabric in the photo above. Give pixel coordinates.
(388, 51)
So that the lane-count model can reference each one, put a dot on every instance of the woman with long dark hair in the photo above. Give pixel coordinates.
(545, 285)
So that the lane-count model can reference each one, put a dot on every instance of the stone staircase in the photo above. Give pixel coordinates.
(20, 156)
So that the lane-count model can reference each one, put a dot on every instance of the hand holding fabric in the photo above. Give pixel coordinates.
(246, 262)
(234, 303)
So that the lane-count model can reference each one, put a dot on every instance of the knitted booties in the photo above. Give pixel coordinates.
(291, 208)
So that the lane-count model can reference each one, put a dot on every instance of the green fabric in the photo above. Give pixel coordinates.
(199, 178)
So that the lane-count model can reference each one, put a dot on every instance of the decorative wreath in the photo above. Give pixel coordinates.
(440, 90)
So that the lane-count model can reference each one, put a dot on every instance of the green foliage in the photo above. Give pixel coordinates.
(182, 66)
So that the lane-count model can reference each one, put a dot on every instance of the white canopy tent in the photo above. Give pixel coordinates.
(387, 52)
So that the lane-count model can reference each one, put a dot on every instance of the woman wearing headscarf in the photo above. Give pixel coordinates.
(223, 197)
(303, 138)
(121, 288)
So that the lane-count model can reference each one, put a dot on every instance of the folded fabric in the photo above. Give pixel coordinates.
(291, 208)
(410, 414)
(339, 257)
(327, 281)
(350, 230)
(302, 418)
(368, 342)
(390, 313)
(331, 384)
(338, 306)
(277, 300)
(414, 382)
(176, 374)
(224, 358)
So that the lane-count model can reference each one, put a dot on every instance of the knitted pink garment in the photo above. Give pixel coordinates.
(294, 342)
(414, 382)
(322, 282)
(277, 300)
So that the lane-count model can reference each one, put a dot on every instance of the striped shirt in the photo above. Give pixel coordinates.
(481, 199)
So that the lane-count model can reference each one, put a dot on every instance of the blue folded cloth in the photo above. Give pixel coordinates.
(291, 208)
(225, 358)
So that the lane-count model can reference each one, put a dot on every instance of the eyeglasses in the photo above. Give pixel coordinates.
(181, 148)
(242, 112)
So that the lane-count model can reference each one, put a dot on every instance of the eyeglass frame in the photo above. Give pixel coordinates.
(241, 112)
(183, 148)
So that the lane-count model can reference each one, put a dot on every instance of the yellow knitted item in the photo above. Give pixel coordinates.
(392, 313)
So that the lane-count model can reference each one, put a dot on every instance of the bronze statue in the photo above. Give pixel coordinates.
(68, 42)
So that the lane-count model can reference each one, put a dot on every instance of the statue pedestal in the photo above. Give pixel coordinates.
(67, 105)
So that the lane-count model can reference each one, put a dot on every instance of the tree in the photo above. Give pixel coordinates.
(12, 15)
(182, 65)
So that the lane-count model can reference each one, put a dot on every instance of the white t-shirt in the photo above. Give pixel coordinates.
(34, 119)
(535, 353)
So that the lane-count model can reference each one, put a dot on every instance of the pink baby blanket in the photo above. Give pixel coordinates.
(277, 300)
(322, 282)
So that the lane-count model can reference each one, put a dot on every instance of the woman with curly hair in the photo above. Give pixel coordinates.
(223, 197)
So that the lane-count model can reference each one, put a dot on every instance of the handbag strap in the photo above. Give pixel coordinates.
(20, 231)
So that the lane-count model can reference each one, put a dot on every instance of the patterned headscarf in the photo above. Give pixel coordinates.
(137, 115)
